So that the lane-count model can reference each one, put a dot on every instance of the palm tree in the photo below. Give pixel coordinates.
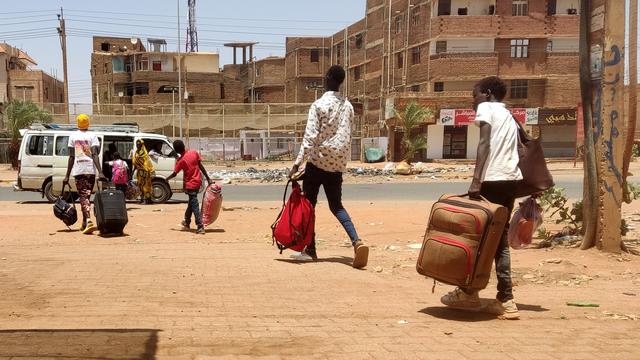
(20, 115)
(412, 117)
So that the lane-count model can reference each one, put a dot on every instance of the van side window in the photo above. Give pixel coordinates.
(62, 148)
(40, 145)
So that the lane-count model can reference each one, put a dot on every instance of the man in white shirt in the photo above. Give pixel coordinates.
(495, 178)
(326, 147)
(84, 148)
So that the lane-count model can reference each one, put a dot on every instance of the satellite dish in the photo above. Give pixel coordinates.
(134, 41)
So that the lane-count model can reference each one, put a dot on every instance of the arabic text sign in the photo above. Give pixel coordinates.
(557, 116)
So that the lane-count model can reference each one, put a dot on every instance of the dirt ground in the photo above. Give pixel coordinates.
(160, 293)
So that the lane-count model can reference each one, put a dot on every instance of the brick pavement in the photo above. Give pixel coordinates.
(165, 294)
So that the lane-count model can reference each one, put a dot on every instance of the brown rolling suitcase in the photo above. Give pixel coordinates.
(461, 240)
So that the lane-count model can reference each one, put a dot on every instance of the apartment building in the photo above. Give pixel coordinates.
(266, 77)
(19, 80)
(124, 71)
(434, 51)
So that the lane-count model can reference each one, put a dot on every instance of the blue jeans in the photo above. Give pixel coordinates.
(315, 177)
(193, 208)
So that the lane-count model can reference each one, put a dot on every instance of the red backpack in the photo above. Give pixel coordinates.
(294, 226)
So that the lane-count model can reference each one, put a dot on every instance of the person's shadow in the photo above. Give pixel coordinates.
(336, 259)
(484, 314)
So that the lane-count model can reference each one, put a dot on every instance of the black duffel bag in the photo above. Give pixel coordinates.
(65, 211)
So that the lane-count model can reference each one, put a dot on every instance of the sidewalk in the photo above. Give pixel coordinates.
(159, 293)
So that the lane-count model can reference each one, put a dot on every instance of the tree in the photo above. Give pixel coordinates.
(410, 118)
(20, 115)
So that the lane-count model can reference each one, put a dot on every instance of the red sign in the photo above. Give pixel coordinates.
(520, 115)
(464, 117)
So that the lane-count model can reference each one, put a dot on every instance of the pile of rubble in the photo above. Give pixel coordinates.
(251, 174)
(419, 169)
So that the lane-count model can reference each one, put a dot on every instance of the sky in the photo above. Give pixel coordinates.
(31, 25)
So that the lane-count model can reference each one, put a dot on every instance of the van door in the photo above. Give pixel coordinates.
(37, 161)
(165, 163)
(61, 160)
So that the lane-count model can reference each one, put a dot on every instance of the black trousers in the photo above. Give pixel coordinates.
(502, 192)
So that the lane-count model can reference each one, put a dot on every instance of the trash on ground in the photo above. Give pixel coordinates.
(582, 304)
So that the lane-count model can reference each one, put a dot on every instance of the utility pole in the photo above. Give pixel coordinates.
(62, 31)
(607, 44)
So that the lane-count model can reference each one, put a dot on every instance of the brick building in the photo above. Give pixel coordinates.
(19, 81)
(266, 77)
(434, 51)
(123, 71)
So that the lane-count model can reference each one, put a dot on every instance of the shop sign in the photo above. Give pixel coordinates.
(557, 116)
(532, 116)
(447, 117)
(464, 117)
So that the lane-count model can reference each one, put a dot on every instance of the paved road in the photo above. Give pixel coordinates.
(353, 192)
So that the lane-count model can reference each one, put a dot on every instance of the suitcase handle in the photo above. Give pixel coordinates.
(73, 200)
(482, 198)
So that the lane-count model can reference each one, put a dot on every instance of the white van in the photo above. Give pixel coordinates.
(43, 157)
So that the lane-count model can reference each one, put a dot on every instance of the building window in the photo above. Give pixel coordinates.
(359, 41)
(463, 11)
(415, 88)
(258, 96)
(415, 55)
(519, 89)
(400, 60)
(441, 47)
(444, 7)
(157, 66)
(415, 17)
(357, 73)
(105, 46)
(550, 46)
(221, 91)
(315, 55)
(141, 88)
(338, 54)
(520, 48)
(520, 7)
(438, 86)
(258, 72)
(143, 64)
(398, 24)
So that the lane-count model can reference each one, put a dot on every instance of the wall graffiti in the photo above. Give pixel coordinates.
(610, 81)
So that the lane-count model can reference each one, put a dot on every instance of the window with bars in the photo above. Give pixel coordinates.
(519, 89)
(398, 24)
(357, 73)
(441, 47)
(550, 46)
(438, 86)
(415, 55)
(338, 54)
(400, 60)
(520, 7)
(520, 48)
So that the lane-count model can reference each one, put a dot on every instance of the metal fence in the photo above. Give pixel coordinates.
(219, 131)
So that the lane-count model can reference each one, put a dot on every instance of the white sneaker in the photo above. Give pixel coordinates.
(461, 300)
(301, 256)
(509, 310)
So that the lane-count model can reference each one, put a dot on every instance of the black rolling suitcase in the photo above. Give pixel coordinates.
(110, 209)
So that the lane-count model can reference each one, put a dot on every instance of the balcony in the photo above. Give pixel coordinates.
(564, 25)
(459, 26)
(462, 66)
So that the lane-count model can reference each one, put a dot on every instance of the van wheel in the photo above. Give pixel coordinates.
(52, 197)
(161, 192)
(47, 190)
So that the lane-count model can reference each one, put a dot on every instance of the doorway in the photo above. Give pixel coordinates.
(455, 142)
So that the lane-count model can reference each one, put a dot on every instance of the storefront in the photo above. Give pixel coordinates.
(558, 132)
(455, 136)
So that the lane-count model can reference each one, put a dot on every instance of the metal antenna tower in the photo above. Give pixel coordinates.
(192, 32)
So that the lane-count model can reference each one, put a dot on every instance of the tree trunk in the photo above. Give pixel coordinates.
(590, 190)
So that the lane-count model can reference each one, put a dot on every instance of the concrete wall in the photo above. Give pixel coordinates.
(466, 45)
(473, 138)
(435, 138)
(202, 62)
